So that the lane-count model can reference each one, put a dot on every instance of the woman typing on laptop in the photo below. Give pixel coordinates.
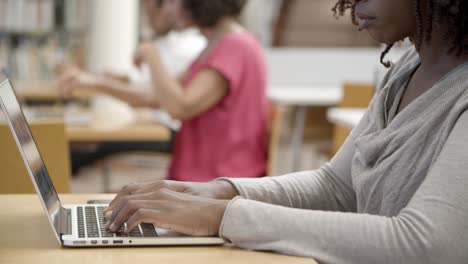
(394, 193)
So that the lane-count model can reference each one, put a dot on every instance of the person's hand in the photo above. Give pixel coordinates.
(73, 78)
(214, 189)
(167, 209)
(143, 52)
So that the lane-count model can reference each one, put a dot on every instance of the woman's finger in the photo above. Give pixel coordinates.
(126, 190)
(142, 215)
(134, 189)
(151, 187)
(119, 205)
(121, 217)
(130, 208)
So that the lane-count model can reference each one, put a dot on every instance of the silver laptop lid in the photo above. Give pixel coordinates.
(30, 154)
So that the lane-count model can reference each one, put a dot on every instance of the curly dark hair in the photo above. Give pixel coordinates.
(207, 13)
(452, 12)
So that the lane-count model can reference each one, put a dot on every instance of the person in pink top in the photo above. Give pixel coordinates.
(221, 99)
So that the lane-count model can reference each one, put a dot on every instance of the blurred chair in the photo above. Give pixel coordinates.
(53, 146)
(275, 118)
(355, 95)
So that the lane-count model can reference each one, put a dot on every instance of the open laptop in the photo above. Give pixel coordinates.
(78, 225)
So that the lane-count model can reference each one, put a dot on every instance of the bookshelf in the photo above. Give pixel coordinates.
(37, 34)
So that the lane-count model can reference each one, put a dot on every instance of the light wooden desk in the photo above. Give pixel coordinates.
(26, 237)
(45, 91)
(144, 128)
(133, 132)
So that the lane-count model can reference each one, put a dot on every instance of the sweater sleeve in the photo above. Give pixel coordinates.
(433, 228)
(329, 188)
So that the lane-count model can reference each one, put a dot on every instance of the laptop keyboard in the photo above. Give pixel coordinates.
(91, 225)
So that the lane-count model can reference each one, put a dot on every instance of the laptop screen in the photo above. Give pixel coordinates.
(29, 151)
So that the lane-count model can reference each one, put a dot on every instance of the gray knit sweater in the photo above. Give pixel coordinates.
(396, 192)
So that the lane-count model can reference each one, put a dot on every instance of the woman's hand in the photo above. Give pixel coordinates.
(214, 190)
(73, 78)
(168, 209)
(144, 52)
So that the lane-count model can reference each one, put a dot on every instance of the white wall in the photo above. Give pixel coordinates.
(260, 17)
(325, 66)
(113, 34)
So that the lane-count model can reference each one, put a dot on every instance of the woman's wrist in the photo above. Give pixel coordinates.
(224, 190)
(103, 83)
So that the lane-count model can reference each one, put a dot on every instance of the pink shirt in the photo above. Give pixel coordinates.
(229, 140)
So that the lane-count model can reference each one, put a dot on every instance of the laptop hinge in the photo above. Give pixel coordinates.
(65, 221)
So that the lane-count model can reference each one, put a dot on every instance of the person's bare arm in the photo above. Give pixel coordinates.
(73, 79)
(121, 77)
(135, 96)
(206, 90)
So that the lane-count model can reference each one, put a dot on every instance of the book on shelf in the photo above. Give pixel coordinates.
(76, 15)
(27, 15)
(37, 34)
(28, 61)
(39, 16)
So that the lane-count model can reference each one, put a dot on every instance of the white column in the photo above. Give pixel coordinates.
(113, 35)
(112, 43)
(260, 17)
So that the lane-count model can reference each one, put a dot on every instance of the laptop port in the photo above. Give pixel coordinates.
(118, 241)
(105, 242)
(81, 242)
(94, 242)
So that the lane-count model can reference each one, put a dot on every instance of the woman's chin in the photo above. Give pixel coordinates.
(385, 38)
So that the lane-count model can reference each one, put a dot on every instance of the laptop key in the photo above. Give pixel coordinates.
(135, 232)
(91, 222)
(80, 221)
(122, 232)
(148, 230)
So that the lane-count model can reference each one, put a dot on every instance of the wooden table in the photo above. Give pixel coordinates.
(144, 128)
(26, 237)
(132, 132)
(45, 91)
(139, 131)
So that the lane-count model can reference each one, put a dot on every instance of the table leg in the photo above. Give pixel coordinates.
(297, 138)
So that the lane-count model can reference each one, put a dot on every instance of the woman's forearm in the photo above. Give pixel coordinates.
(132, 95)
(168, 88)
(306, 190)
